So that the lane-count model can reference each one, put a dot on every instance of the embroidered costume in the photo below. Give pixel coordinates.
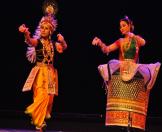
(128, 87)
(43, 78)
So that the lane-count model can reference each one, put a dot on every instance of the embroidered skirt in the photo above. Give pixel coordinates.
(127, 102)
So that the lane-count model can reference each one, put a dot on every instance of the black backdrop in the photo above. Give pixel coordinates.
(80, 85)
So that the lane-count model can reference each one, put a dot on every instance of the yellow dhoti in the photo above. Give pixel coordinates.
(45, 86)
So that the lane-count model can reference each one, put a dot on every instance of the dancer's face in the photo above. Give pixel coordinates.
(45, 29)
(124, 27)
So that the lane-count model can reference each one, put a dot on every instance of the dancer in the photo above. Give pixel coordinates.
(128, 83)
(43, 78)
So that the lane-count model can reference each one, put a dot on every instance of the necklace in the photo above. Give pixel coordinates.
(48, 51)
(126, 46)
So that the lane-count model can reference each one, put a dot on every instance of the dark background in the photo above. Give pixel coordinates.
(80, 85)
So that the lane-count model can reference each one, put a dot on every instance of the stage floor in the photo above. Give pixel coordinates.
(70, 123)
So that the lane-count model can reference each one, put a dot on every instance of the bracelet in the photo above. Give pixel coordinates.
(102, 45)
(25, 30)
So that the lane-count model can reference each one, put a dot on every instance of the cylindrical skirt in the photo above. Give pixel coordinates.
(127, 102)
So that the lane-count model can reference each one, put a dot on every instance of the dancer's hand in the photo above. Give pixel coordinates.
(96, 41)
(23, 28)
(60, 38)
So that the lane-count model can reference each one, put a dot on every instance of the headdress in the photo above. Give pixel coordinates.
(49, 9)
